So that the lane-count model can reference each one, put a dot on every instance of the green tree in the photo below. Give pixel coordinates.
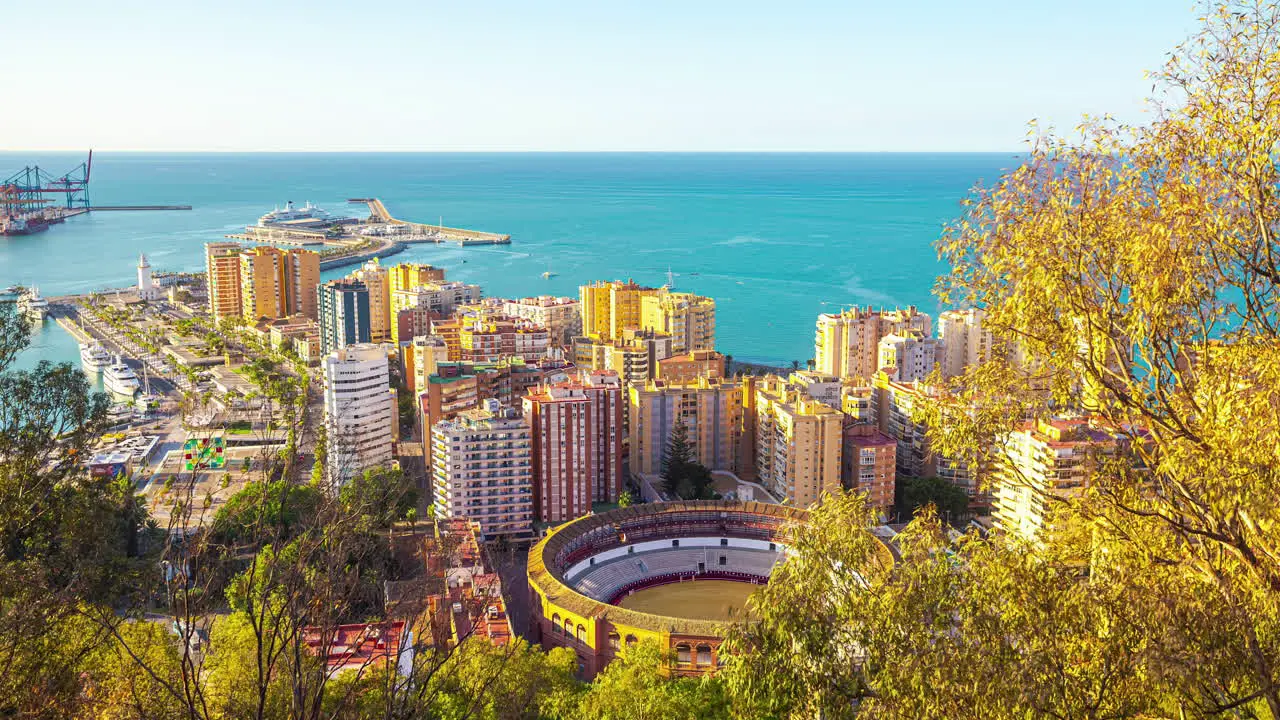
(682, 475)
(266, 511)
(379, 496)
(950, 501)
(635, 686)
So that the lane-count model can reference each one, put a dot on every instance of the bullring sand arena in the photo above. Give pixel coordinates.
(696, 599)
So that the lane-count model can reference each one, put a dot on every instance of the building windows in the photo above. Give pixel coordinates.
(555, 624)
(683, 654)
(613, 640)
(582, 634)
(675, 543)
(724, 542)
(631, 640)
(704, 655)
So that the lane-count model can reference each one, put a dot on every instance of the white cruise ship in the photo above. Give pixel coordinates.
(33, 306)
(94, 356)
(308, 215)
(120, 379)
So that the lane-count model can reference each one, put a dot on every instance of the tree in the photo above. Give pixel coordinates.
(950, 502)
(635, 686)
(380, 496)
(682, 475)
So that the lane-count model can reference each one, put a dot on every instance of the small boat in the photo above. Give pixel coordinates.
(548, 274)
(11, 290)
(94, 356)
(33, 306)
(120, 379)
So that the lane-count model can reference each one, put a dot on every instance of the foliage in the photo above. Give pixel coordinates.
(634, 687)
(950, 501)
(682, 475)
(264, 511)
(379, 497)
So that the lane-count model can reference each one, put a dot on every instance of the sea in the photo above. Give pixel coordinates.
(775, 238)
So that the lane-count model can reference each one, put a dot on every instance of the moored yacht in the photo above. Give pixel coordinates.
(120, 379)
(94, 356)
(33, 306)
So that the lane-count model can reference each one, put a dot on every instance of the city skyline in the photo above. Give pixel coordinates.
(822, 76)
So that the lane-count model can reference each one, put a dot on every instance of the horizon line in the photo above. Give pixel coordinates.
(510, 152)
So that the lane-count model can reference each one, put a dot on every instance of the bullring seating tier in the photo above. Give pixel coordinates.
(603, 580)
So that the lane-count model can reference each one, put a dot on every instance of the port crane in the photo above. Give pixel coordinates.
(24, 191)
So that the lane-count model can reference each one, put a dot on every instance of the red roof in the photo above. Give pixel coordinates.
(352, 647)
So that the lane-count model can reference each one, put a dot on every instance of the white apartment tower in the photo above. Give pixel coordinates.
(359, 411)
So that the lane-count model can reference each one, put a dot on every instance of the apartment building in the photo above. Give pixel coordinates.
(440, 299)
(610, 308)
(577, 444)
(799, 442)
(869, 463)
(344, 314)
(222, 273)
(482, 470)
(892, 405)
(360, 411)
(560, 316)
(847, 344)
(378, 281)
(691, 366)
(712, 409)
(909, 356)
(965, 343)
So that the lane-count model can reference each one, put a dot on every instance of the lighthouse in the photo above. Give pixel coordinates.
(146, 289)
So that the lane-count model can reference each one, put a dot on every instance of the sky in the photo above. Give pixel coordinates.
(574, 75)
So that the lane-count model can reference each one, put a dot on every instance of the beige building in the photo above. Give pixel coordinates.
(909, 356)
(634, 356)
(436, 299)
(964, 341)
(689, 319)
(691, 366)
(847, 344)
(712, 409)
(482, 470)
(1042, 461)
(892, 404)
(798, 444)
(222, 273)
(559, 315)
(378, 280)
(609, 309)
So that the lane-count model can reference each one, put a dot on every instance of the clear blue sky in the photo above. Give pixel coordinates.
(837, 75)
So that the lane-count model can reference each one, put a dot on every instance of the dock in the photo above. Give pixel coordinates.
(422, 232)
(97, 208)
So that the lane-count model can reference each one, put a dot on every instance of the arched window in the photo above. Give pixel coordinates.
(568, 629)
(613, 640)
(704, 654)
(631, 640)
(683, 654)
(555, 624)
(582, 634)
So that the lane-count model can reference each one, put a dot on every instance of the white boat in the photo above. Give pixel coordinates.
(33, 306)
(120, 379)
(308, 215)
(11, 290)
(94, 356)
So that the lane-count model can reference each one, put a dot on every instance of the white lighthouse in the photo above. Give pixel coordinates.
(146, 289)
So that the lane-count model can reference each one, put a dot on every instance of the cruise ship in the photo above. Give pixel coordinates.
(94, 356)
(306, 216)
(120, 379)
(33, 306)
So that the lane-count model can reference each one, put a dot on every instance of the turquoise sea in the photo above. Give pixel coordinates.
(774, 238)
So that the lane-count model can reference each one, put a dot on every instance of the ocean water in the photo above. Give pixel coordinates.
(774, 238)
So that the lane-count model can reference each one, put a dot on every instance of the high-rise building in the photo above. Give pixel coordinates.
(869, 463)
(634, 356)
(964, 341)
(689, 319)
(262, 283)
(1040, 462)
(559, 315)
(577, 444)
(847, 344)
(222, 274)
(909, 356)
(422, 357)
(892, 404)
(488, 336)
(344, 314)
(360, 410)
(482, 470)
(711, 408)
(799, 443)
(406, 276)
(377, 279)
(691, 366)
(302, 277)
(611, 308)
(438, 298)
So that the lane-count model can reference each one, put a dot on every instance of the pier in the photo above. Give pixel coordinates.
(422, 232)
(97, 208)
